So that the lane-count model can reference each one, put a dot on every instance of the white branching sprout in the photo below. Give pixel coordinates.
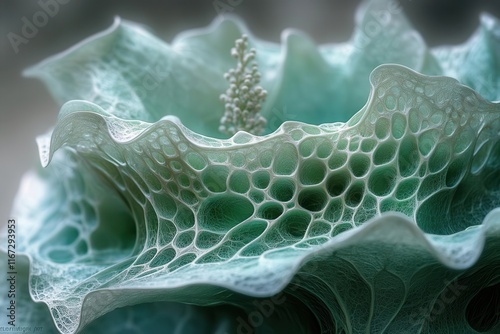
(244, 97)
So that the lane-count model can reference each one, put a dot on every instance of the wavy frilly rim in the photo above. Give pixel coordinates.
(448, 250)
(457, 251)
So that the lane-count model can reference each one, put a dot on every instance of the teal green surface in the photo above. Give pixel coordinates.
(371, 204)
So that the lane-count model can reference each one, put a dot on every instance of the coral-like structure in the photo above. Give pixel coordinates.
(385, 221)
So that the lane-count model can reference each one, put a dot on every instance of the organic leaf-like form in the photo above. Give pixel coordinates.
(476, 62)
(133, 75)
(245, 214)
(389, 222)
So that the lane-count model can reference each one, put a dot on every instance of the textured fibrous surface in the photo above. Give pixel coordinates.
(364, 226)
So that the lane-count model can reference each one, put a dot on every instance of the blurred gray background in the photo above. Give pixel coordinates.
(27, 110)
